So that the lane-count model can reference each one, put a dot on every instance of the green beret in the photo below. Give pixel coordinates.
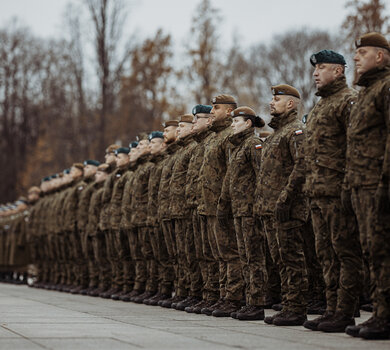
(327, 56)
(92, 162)
(201, 109)
(133, 144)
(249, 113)
(285, 89)
(372, 39)
(124, 150)
(223, 100)
(66, 171)
(156, 135)
(54, 176)
(46, 178)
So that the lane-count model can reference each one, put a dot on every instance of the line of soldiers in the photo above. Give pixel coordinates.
(216, 216)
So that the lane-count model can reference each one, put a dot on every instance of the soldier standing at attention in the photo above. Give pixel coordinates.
(337, 237)
(243, 169)
(283, 206)
(221, 233)
(368, 174)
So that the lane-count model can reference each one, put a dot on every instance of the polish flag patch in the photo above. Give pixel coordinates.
(258, 146)
(298, 132)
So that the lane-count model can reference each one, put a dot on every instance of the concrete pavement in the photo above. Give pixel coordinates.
(38, 319)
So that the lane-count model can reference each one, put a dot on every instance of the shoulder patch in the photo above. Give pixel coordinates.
(298, 132)
(259, 146)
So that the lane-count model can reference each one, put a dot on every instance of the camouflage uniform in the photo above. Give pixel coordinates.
(187, 272)
(163, 209)
(337, 239)
(243, 168)
(222, 239)
(368, 174)
(281, 176)
(159, 247)
(146, 268)
(199, 241)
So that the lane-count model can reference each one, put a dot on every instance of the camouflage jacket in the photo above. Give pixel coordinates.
(368, 141)
(71, 203)
(240, 179)
(94, 208)
(214, 166)
(177, 202)
(139, 201)
(153, 187)
(172, 152)
(83, 206)
(115, 207)
(326, 139)
(192, 190)
(282, 171)
(128, 177)
(104, 221)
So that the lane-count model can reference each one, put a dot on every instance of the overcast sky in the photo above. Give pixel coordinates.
(254, 20)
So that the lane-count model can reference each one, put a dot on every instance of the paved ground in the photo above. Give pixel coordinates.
(38, 319)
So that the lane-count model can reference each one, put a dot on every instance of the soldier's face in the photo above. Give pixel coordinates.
(110, 158)
(366, 58)
(220, 111)
(184, 129)
(100, 176)
(201, 121)
(122, 159)
(143, 147)
(170, 134)
(33, 196)
(324, 73)
(156, 145)
(239, 124)
(278, 104)
(134, 154)
(89, 170)
(75, 172)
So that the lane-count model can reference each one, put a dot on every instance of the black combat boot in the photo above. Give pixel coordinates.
(270, 319)
(250, 313)
(140, 298)
(227, 308)
(290, 318)
(354, 330)
(197, 308)
(168, 302)
(177, 301)
(378, 329)
(156, 298)
(116, 296)
(277, 307)
(134, 293)
(313, 324)
(208, 310)
(337, 323)
(190, 301)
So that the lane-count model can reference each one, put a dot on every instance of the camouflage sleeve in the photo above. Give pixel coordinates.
(346, 109)
(224, 199)
(385, 177)
(297, 176)
(255, 155)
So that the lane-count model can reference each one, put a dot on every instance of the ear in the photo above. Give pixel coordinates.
(380, 56)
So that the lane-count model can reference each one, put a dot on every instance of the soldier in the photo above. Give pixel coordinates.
(206, 268)
(96, 236)
(170, 131)
(187, 283)
(157, 148)
(222, 238)
(283, 206)
(243, 168)
(368, 174)
(337, 239)
(104, 221)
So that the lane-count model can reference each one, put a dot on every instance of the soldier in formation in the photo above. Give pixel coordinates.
(214, 215)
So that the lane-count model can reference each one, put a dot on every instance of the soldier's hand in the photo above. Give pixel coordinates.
(282, 212)
(382, 199)
(346, 201)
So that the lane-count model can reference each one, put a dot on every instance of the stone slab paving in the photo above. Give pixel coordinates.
(38, 319)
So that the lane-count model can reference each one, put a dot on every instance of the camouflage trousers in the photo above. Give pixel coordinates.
(374, 228)
(286, 248)
(79, 259)
(122, 248)
(100, 256)
(251, 248)
(231, 280)
(134, 236)
(211, 286)
(151, 284)
(338, 249)
(168, 230)
(181, 228)
(164, 269)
